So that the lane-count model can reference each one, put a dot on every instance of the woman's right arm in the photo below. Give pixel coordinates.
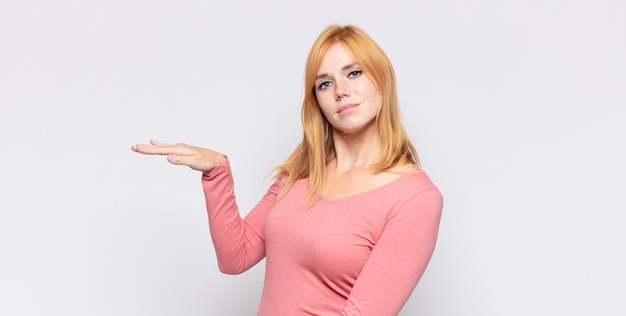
(238, 242)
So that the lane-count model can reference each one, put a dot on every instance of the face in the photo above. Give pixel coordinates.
(347, 97)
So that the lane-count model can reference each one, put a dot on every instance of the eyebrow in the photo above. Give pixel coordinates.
(348, 66)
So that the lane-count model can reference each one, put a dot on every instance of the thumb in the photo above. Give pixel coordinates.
(178, 159)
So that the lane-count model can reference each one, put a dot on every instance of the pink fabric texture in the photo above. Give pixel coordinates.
(358, 255)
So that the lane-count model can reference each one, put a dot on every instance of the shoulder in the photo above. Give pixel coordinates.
(417, 198)
(413, 179)
(402, 169)
(405, 184)
(413, 182)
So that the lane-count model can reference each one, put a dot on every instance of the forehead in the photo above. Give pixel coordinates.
(337, 56)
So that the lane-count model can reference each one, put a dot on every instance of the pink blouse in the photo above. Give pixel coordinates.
(358, 255)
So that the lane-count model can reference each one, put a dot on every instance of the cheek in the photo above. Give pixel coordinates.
(375, 94)
(325, 101)
(367, 88)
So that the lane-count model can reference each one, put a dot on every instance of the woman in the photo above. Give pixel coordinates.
(351, 221)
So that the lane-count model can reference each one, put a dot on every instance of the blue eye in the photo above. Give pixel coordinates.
(355, 73)
(324, 85)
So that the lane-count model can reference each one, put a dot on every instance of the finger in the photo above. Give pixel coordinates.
(142, 148)
(155, 150)
(157, 143)
(138, 147)
(180, 148)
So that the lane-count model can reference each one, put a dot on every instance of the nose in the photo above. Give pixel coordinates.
(341, 90)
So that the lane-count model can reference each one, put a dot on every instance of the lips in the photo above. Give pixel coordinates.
(346, 107)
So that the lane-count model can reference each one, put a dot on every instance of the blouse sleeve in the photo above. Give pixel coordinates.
(398, 259)
(239, 243)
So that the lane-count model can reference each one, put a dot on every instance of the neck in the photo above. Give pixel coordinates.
(356, 151)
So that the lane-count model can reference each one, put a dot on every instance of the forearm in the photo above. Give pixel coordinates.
(238, 242)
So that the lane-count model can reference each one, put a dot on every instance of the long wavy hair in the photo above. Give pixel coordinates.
(317, 149)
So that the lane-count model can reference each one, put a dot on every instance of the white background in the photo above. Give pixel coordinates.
(516, 107)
